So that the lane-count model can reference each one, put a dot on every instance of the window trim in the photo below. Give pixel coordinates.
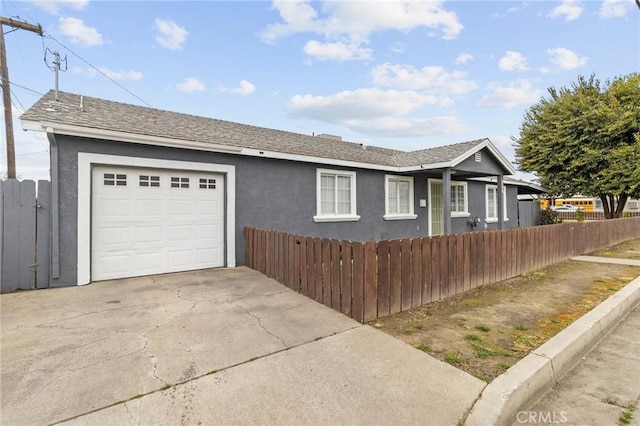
(320, 217)
(399, 216)
(465, 213)
(486, 204)
(466, 197)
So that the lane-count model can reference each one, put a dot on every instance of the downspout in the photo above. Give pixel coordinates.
(446, 201)
(500, 201)
(55, 218)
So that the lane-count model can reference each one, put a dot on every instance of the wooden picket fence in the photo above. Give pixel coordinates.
(374, 279)
(592, 215)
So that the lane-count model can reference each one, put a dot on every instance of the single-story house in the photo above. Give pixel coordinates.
(138, 191)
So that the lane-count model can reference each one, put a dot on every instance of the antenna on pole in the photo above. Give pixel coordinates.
(56, 66)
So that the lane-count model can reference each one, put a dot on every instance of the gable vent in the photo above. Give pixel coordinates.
(478, 157)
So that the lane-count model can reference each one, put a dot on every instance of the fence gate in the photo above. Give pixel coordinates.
(24, 234)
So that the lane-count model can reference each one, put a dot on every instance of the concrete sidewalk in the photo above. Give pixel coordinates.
(601, 387)
(582, 376)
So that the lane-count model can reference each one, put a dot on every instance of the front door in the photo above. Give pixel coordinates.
(436, 208)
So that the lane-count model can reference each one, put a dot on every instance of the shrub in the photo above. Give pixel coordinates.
(580, 215)
(549, 217)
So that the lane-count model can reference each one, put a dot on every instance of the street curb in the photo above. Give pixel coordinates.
(526, 381)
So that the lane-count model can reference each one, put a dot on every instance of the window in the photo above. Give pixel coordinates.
(459, 199)
(153, 181)
(114, 179)
(399, 198)
(335, 196)
(207, 184)
(492, 204)
(179, 182)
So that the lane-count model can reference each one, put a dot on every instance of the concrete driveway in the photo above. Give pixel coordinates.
(210, 347)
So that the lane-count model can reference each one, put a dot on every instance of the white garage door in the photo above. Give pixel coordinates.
(152, 221)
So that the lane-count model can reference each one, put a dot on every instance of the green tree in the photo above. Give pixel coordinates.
(585, 139)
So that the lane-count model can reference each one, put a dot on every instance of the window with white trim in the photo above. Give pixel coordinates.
(459, 199)
(492, 204)
(399, 198)
(335, 196)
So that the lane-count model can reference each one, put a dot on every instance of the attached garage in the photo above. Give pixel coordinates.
(153, 221)
(142, 216)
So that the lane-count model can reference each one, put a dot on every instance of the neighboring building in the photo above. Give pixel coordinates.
(139, 191)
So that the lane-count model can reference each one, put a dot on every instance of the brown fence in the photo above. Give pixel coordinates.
(592, 215)
(378, 278)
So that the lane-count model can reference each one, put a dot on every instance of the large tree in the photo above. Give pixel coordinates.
(585, 139)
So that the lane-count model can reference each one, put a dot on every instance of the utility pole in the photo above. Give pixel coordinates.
(6, 90)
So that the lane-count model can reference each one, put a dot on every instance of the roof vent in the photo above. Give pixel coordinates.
(478, 157)
(328, 136)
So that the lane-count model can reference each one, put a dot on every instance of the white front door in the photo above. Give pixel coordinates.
(152, 221)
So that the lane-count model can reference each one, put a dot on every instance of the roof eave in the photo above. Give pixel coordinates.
(93, 133)
(486, 143)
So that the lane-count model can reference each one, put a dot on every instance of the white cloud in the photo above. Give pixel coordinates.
(398, 47)
(434, 79)
(352, 22)
(115, 75)
(244, 88)
(53, 6)
(464, 58)
(336, 51)
(570, 9)
(510, 95)
(78, 32)
(513, 61)
(614, 8)
(359, 104)
(191, 85)
(170, 35)
(566, 59)
(545, 70)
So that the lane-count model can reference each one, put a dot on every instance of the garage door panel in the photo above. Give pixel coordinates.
(180, 258)
(207, 207)
(149, 262)
(149, 208)
(116, 264)
(146, 226)
(153, 234)
(180, 233)
(111, 237)
(114, 207)
(204, 256)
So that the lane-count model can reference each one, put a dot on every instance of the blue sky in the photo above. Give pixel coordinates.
(404, 75)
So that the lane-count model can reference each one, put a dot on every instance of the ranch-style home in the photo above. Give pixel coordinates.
(139, 191)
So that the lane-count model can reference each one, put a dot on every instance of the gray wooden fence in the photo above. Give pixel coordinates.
(24, 234)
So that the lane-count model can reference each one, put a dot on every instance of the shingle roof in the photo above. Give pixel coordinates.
(115, 116)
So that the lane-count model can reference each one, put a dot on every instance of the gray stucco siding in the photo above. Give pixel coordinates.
(487, 166)
(271, 194)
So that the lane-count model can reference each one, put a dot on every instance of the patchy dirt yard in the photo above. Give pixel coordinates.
(487, 330)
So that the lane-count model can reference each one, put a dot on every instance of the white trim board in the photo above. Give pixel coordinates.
(85, 163)
(88, 132)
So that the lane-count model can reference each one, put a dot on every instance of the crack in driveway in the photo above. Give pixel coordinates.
(259, 321)
(154, 360)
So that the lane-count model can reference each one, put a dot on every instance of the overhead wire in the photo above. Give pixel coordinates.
(98, 70)
(26, 88)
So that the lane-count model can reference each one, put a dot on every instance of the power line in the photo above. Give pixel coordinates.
(26, 88)
(98, 70)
